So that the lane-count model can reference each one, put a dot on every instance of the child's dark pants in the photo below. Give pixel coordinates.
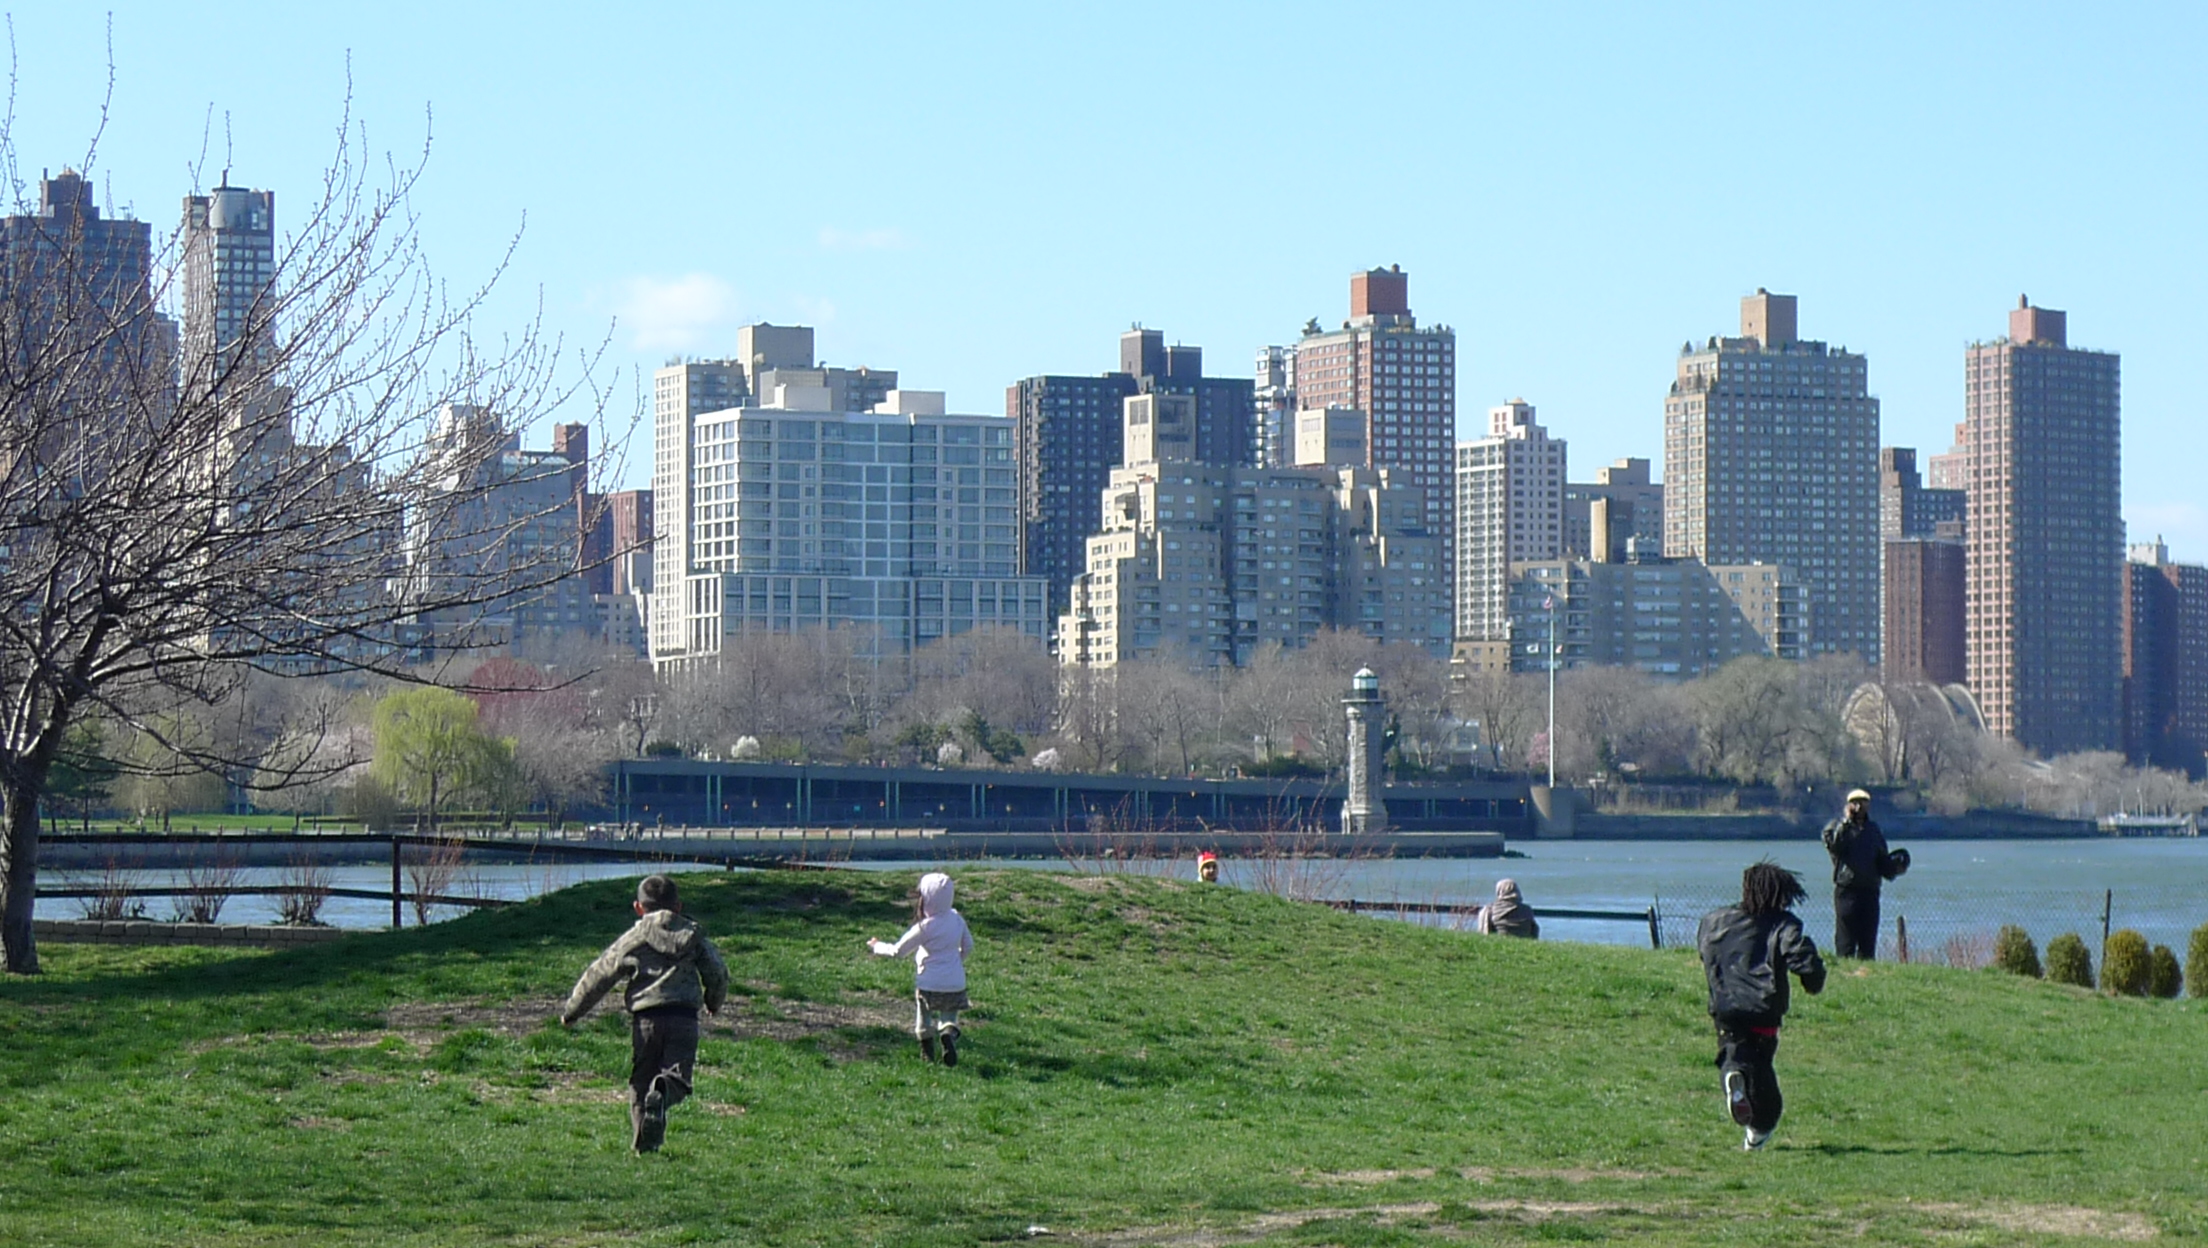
(1750, 1052)
(663, 1047)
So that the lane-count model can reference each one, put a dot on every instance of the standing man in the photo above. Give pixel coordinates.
(1860, 863)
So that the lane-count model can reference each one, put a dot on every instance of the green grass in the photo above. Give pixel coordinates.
(1148, 1062)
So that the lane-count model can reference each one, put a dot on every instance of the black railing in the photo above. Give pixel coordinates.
(1648, 916)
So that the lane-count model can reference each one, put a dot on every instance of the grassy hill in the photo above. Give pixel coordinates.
(1149, 1062)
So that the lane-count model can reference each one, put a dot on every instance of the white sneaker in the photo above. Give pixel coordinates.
(1736, 1096)
(1755, 1140)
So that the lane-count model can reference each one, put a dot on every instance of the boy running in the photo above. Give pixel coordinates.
(1747, 951)
(670, 969)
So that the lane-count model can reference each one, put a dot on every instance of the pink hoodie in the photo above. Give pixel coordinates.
(940, 937)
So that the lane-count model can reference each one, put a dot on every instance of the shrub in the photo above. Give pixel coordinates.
(2196, 961)
(2014, 952)
(2124, 964)
(2068, 962)
(2164, 978)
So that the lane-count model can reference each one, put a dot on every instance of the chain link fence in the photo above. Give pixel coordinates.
(1950, 926)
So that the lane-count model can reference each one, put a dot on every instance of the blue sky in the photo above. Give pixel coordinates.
(974, 193)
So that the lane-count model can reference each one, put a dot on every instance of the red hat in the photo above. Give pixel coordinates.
(1207, 856)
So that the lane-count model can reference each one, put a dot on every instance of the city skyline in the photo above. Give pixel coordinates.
(1512, 204)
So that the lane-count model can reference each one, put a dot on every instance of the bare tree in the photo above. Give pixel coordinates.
(1746, 716)
(1505, 707)
(1089, 724)
(1261, 703)
(179, 512)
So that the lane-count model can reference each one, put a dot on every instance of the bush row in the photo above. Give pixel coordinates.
(2129, 966)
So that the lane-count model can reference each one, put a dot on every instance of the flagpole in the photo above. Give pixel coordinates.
(1551, 751)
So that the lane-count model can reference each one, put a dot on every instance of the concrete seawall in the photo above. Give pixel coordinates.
(145, 932)
(756, 847)
(1975, 825)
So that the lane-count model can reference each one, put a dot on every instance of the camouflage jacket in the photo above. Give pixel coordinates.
(664, 960)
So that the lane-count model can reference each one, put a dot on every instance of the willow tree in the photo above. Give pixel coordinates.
(303, 480)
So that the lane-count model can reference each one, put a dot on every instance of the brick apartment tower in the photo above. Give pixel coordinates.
(1771, 456)
(2165, 661)
(2042, 429)
(1924, 613)
(1923, 579)
(1403, 378)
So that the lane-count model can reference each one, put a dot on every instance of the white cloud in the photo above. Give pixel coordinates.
(834, 239)
(2183, 525)
(675, 314)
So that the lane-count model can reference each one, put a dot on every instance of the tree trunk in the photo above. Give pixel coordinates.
(18, 873)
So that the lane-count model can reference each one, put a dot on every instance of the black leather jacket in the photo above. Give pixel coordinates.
(1746, 958)
(1858, 855)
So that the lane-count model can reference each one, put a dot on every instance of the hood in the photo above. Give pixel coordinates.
(1506, 890)
(668, 932)
(935, 893)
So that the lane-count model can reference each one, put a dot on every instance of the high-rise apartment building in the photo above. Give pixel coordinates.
(1618, 515)
(631, 514)
(1922, 639)
(1922, 584)
(1510, 509)
(509, 532)
(76, 296)
(1068, 440)
(766, 356)
(1671, 618)
(1273, 426)
(1402, 377)
(1213, 561)
(1771, 455)
(2043, 428)
(68, 254)
(2165, 658)
(1908, 508)
(229, 254)
(795, 511)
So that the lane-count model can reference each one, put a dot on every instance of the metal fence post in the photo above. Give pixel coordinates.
(397, 918)
(1655, 935)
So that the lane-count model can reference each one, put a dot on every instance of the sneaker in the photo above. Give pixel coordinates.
(1755, 1140)
(1736, 1095)
(651, 1125)
(950, 1046)
(927, 1048)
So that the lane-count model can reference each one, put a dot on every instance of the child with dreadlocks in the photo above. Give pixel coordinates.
(1747, 951)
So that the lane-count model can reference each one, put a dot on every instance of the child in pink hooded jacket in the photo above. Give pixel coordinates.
(939, 943)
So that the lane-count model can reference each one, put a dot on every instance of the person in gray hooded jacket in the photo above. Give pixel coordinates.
(668, 968)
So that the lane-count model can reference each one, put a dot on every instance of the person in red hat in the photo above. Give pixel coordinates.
(1207, 867)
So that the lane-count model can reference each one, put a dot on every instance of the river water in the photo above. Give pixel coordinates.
(1955, 896)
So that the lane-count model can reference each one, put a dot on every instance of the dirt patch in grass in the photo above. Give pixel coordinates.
(416, 1020)
(1567, 1174)
(1090, 883)
(828, 1026)
(795, 1020)
(1257, 1228)
(1369, 1176)
(1478, 1174)
(313, 1123)
(2101, 1224)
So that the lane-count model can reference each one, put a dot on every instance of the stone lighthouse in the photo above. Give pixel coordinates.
(1362, 809)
